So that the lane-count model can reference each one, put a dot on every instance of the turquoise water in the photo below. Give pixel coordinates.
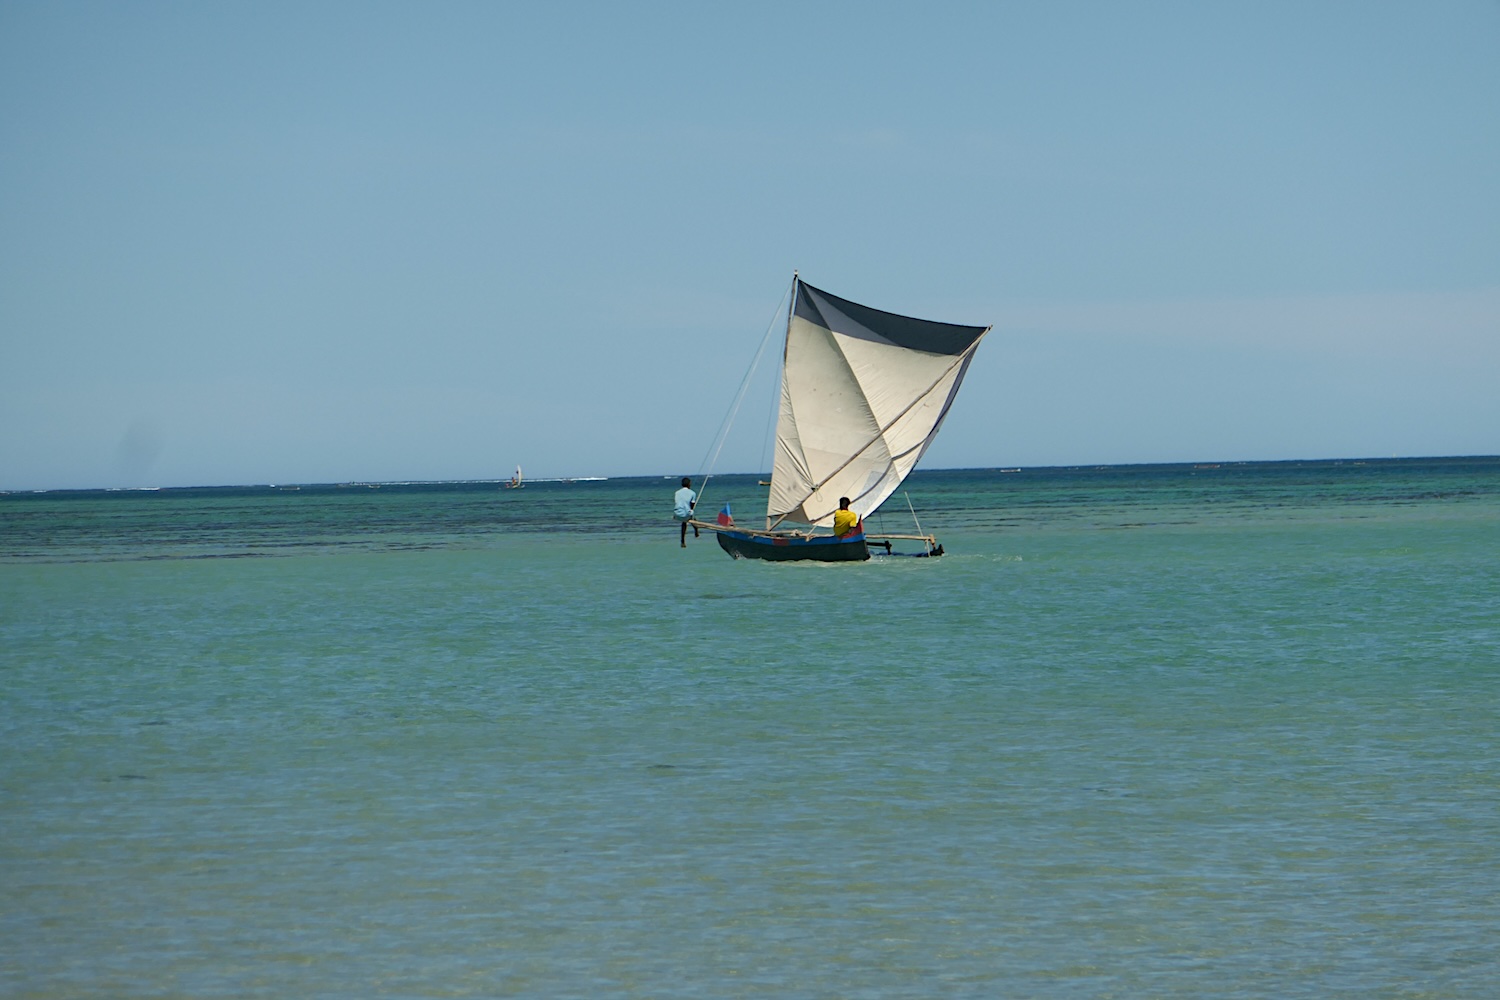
(1143, 732)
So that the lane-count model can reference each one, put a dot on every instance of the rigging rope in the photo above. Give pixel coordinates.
(913, 511)
(706, 469)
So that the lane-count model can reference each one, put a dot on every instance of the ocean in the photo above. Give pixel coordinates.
(1144, 731)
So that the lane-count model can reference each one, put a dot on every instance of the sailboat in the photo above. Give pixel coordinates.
(515, 481)
(863, 393)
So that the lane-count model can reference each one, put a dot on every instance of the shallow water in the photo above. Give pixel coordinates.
(1143, 732)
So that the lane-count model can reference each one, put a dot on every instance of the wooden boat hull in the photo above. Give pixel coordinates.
(779, 548)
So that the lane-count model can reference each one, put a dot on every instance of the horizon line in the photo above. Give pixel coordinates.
(374, 483)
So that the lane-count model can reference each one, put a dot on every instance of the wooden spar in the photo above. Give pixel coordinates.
(742, 530)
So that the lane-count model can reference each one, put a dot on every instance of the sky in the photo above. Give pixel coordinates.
(327, 242)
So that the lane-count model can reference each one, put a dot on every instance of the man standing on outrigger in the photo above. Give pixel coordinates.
(684, 501)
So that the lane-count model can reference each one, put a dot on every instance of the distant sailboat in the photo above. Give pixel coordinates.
(863, 393)
(515, 481)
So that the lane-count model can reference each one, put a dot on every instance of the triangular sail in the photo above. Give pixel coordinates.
(863, 393)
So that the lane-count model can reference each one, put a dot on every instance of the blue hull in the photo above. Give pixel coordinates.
(824, 548)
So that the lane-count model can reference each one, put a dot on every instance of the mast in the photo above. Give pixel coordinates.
(791, 310)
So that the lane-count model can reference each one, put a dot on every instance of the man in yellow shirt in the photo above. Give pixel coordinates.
(844, 519)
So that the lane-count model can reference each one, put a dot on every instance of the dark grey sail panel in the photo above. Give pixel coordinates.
(901, 331)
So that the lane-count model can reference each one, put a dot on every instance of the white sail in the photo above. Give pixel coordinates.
(863, 393)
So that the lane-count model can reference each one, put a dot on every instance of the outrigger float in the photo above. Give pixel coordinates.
(863, 393)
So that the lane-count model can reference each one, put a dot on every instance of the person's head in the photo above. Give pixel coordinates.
(843, 503)
(687, 481)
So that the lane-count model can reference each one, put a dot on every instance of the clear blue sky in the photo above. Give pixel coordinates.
(314, 242)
